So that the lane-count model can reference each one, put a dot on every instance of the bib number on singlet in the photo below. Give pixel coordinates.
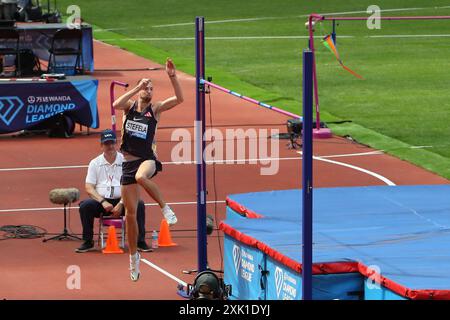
(136, 129)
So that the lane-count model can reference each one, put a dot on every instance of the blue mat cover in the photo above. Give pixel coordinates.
(397, 236)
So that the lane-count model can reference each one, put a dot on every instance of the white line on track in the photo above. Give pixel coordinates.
(301, 16)
(164, 272)
(225, 161)
(221, 38)
(112, 29)
(321, 158)
(365, 11)
(371, 173)
(267, 18)
(421, 147)
(409, 36)
(290, 17)
(217, 21)
(386, 36)
(370, 153)
(44, 168)
(183, 203)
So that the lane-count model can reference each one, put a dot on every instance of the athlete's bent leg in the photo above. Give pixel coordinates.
(143, 178)
(145, 171)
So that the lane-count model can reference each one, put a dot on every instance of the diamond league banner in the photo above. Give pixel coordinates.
(27, 104)
(282, 282)
(243, 265)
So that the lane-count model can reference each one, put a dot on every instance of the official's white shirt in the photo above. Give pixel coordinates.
(106, 176)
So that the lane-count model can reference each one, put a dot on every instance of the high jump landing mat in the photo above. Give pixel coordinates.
(369, 243)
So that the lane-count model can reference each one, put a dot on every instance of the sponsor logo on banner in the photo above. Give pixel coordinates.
(136, 129)
(43, 107)
(237, 258)
(41, 41)
(48, 99)
(285, 284)
(9, 108)
(243, 263)
(278, 280)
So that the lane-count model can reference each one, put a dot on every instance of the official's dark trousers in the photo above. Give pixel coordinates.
(91, 209)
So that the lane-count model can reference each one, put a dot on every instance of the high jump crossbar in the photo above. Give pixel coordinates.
(254, 101)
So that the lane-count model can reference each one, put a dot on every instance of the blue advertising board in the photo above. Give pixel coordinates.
(284, 283)
(375, 291)
(24, 104)
(243, 266)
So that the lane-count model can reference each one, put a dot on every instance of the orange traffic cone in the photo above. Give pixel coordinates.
(164, 238)
(112, 246)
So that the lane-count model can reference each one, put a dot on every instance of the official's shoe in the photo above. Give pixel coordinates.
(85, 247)
(169, 215)
(143, 247)
(134, 266)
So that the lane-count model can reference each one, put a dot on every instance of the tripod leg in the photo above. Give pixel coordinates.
(74, 237)
(58, 237)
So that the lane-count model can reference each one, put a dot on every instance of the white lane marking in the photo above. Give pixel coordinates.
(290, 17)
(421, 147)
(371, 173)
(150, 39)
(43, 168)
(266, 18)
(387, 36)
(370, 153)
(225, 161)
(112, 29)
(164, 272)
(365, 11)
(244, 161)
(216, 21)
(221, 38)
(77, 207)
(409, 36)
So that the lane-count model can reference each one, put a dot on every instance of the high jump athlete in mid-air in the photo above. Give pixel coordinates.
(141, 118)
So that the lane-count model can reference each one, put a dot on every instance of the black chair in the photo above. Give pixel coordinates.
(29, 10)
(66, 42)
(9, 45)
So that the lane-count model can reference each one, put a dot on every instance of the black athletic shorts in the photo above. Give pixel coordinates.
(129, 169)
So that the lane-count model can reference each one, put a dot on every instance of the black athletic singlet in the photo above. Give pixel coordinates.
(138, 132)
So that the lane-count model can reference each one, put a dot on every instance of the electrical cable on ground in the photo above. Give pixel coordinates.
(21, 232)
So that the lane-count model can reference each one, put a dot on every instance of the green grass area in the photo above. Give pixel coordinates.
(403, 101)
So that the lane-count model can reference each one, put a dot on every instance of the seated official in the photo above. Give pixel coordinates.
(103, 187)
